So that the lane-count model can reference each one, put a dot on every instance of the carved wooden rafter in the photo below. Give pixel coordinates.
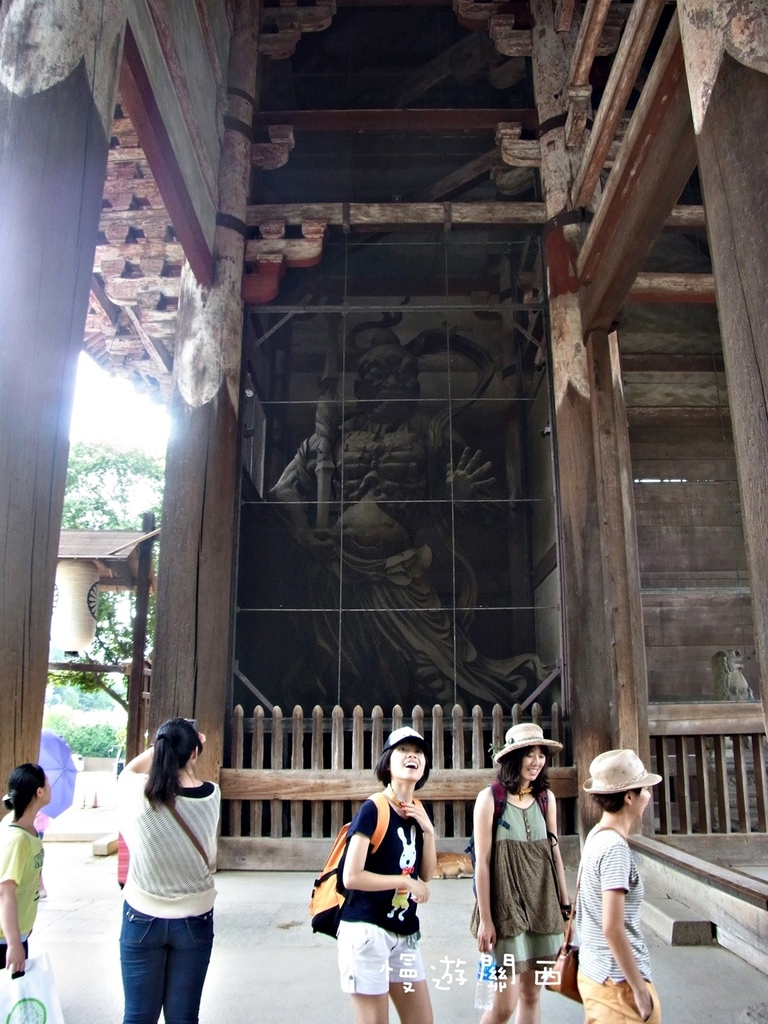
(131, 320)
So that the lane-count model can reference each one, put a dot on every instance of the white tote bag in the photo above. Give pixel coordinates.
(31, 999)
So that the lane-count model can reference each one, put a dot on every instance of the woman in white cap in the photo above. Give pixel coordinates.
(614, 966)
(379, 957)
(522, 894)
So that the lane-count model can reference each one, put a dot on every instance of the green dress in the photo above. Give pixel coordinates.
(525, 902)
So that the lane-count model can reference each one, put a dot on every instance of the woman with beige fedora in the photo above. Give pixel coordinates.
(522, 894)
(614, 966)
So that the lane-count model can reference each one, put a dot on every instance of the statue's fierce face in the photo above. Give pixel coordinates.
(387, 373)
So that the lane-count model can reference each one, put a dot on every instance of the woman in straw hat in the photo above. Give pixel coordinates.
(614, 965)
(522, 894)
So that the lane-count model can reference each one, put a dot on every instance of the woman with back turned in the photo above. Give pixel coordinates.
(169, 820)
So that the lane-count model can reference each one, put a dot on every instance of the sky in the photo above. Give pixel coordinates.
(111, 411)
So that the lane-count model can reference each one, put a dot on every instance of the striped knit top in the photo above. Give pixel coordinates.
(607, 863)
(166, 874)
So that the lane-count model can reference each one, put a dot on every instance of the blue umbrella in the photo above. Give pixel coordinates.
(56, 761)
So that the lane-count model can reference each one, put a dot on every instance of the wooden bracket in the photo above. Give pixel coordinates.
(514, 151)
(263, 285)
(273, 154)
(473, 14)
(507, 39)
(274, 250)
(283, 25)
(579, 109)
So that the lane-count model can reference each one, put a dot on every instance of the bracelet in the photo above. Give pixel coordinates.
(565, 910)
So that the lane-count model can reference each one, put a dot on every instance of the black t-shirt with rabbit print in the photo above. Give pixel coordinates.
(398, 854)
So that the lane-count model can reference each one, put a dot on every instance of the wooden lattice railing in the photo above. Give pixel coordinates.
(301, 778)
(711, 757)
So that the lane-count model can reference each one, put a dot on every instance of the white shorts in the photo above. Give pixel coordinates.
(371, 959)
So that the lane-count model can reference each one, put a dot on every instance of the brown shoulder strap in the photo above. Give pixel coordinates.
(193, 838)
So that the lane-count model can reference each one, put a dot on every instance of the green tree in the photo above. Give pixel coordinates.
(108, 489)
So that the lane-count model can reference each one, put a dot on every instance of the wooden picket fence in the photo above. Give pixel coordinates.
(294, 781)
(711, 757)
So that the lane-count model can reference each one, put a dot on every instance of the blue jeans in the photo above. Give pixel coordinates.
(164, 962)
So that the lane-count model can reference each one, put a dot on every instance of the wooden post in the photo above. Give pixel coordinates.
(586, 665)
(134, 742)
(192, 670)
(57, 89)
(729, 98)
(618, 538)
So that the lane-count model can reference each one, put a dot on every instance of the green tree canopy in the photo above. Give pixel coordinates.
(109, 488)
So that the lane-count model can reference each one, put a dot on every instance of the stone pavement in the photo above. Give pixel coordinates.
(268, 967)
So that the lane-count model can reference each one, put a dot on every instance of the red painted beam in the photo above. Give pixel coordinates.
(141, 106)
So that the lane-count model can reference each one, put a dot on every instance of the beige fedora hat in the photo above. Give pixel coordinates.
(616, 771)
(526, 734)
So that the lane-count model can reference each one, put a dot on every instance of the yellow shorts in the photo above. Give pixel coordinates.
(613, 1002)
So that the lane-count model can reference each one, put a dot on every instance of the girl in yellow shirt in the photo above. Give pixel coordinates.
(21, 861)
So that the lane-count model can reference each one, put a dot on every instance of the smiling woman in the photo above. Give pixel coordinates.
(378, 937)
(522, 894)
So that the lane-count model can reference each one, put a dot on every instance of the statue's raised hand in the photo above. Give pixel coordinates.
(470, 477)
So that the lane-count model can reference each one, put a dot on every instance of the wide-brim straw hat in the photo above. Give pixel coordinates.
(526, 734)
(616, 771)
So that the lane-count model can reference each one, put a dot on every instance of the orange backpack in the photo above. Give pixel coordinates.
(329, 892)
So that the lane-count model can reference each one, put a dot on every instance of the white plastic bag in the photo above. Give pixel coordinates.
(31, 999)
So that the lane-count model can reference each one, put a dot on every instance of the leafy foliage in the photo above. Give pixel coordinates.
(109, 488)
(100, 739)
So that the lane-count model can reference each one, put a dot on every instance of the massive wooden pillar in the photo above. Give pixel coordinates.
(192, 665)
(587, 668)
(727, 66)
(57, 91)
(618, 539)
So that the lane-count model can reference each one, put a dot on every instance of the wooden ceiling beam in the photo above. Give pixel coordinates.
(590, 31)
(155, 349)
(687, 217)
(656, 160)
(477, 168)
(109, 308)
(626, 65)
(467, 57)
(678, 288)
(671, 362)
(392, 214)
(366, 122)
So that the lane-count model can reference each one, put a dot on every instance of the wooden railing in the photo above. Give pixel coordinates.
(301, 778)
(711, 757)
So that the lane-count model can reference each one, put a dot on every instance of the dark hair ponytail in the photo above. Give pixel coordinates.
(175, 742)
(23, 784)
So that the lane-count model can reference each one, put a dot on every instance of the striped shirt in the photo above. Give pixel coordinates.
(607, 863)
(166, 874)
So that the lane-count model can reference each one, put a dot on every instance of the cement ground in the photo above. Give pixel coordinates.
(268, 967)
